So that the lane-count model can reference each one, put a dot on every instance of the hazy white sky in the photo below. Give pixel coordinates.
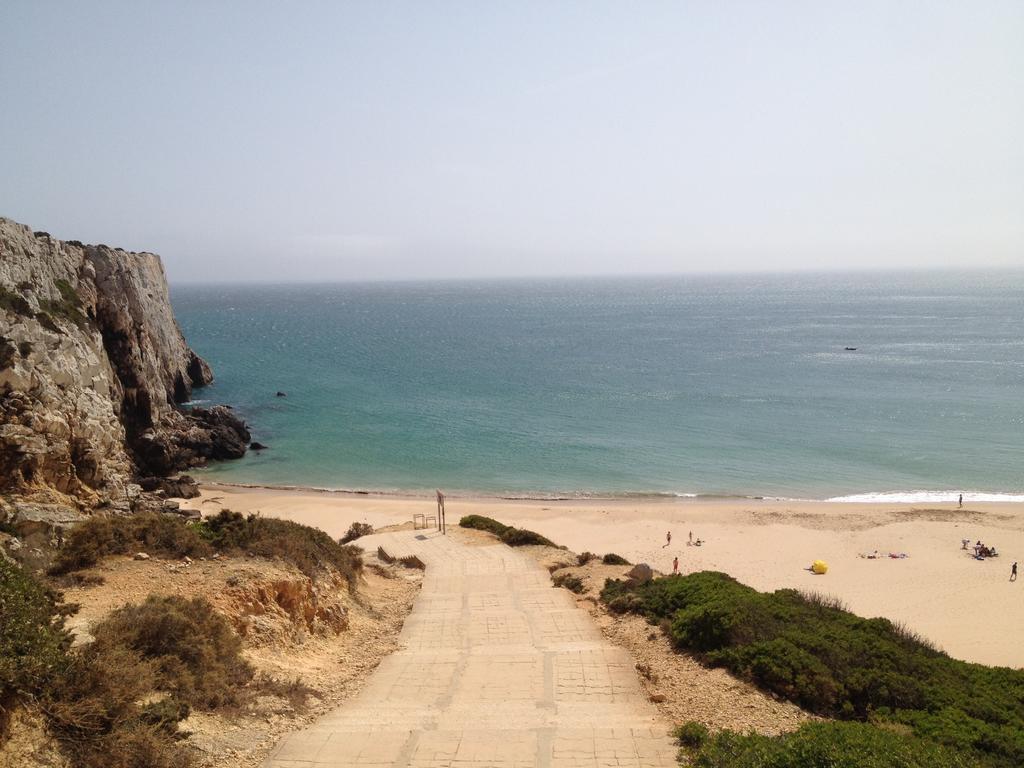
(277, 141)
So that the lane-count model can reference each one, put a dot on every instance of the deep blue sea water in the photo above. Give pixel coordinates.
(702, 385)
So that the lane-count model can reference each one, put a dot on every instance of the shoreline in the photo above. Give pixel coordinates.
(876, 497)
(965, 606)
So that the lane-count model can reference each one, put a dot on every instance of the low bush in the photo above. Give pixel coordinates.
(356, 531)
(67, 307)
(612, 559)
(826, 745)
(96, 693)
(585, 558)
(194, 653)
(835, 663)
(514, 537)
(692, 734)
(14, 302)
(90, 696)
(33, 642)
(520, 537)
(309, 549)
(118, 701)
(482, 523)
(93, 539)
(569, 581)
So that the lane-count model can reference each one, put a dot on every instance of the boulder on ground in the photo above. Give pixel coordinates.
(183, 487)
(640, 573)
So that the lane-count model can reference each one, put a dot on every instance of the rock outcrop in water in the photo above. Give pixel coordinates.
(92, 369)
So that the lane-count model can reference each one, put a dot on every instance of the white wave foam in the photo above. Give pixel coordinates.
(933, 497)
(195, 402)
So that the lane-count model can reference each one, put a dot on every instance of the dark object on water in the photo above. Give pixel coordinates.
(850, 349)
(281, 394)
(254, 446)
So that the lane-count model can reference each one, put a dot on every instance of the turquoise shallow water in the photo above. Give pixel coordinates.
(704, 385)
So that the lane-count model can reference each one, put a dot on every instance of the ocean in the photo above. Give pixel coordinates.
(725, 385)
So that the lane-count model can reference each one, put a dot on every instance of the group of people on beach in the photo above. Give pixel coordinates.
(981, 551)
(691, 542)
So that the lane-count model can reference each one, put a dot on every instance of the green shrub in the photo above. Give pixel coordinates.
(14, 302)
(356, 531)
(692, 734)
(481, 523)
(585, 558)
(520, 537)
(68, 306)
(835, 663)
(309, 549)
(194, 653)
(612, 559)
(827, 745)
(156, 534)
(569, 581)
(94, 710)
(97, 692)
(67, 293)
(90, 696)
(141, 746)
(514, 537)
(33, 642)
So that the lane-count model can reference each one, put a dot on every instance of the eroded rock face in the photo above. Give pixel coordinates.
(208, 433)
(92, 366)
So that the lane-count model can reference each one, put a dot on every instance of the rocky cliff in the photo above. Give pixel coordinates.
(93, 367)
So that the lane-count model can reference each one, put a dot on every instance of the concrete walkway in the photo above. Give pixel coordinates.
(498, 669)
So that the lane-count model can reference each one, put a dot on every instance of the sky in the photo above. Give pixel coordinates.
(275, 141)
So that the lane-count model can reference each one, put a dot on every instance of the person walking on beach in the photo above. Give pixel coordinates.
(668, 538)
(690, 542)
(960, 503)
(675, 566)
(1013, 572)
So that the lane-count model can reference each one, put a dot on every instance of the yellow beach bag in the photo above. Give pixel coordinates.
(819, 567)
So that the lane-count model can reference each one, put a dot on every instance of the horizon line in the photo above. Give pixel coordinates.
(563, 276)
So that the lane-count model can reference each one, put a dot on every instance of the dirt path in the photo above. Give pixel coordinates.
(497, 670)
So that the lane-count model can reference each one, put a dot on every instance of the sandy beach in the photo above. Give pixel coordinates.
(965, 606)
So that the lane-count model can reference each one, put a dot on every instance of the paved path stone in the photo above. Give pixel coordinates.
(497, 669)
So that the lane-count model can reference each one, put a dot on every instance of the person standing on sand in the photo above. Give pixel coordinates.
(690, 542)
(1013, 572)
(960, 503)
(675, 566)
(668, 538)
